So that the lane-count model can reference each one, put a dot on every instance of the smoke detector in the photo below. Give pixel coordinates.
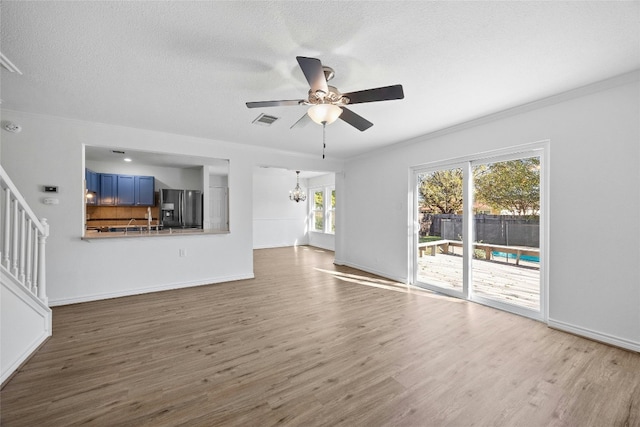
(11, 127)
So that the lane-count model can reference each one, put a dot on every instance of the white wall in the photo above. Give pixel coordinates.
(594, 271)
(218, 181)
(277, 221)
(48, 151)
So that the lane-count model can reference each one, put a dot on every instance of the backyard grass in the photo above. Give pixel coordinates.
(425, 239)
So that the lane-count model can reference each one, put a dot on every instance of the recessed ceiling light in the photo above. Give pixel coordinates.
(126, 159)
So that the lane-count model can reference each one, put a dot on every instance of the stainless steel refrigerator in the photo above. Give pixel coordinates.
(181, 208)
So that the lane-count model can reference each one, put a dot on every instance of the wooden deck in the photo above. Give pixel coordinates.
(501, 281)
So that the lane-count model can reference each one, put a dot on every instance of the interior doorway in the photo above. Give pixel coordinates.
(218, 208)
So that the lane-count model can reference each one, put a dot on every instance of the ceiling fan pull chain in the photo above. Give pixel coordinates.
(324, 144)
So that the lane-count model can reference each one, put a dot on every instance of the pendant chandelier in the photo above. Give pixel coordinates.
(297, 194)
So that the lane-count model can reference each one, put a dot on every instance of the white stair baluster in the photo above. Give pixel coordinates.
(14, 240)
(23, 246)
(6, 229)
(29, 255)
(42, 291)
(22, 240)
(34, 275)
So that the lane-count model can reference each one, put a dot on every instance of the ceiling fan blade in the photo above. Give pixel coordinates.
(378, 94)
(355, 120)
(312, 69)
(260, 104)
(302, 121)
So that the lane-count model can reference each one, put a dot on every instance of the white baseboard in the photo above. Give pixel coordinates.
(277, 245)
(370, 270)
(595, 335)
(321, 246)
(130, 292)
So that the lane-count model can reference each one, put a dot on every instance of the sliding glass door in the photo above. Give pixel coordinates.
(479, 229)
(506, 221)
(440, 252)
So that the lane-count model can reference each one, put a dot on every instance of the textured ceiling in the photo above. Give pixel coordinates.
(189, 67)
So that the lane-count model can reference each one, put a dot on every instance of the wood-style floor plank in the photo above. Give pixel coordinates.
(307, 343)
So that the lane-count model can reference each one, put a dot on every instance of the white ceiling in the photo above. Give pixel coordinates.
(189, 67)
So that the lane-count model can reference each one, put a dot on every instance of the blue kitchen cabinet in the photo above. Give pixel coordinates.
(144, 187)
(108, 194)
(126, 190)
(92, 182)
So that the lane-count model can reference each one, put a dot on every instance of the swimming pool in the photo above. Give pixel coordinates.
(530, 258)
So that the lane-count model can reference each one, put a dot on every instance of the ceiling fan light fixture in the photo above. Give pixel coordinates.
(324, 113)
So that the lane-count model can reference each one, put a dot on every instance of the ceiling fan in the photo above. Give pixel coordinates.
(326, 102)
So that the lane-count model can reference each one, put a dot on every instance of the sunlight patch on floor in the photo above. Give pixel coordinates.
(386, 284)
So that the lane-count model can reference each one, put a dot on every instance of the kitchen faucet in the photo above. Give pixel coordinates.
(127, 227)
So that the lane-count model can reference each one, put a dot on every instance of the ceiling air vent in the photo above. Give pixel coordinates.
(265, 120)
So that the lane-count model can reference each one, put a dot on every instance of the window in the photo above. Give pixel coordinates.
(331, 211)
(323, 210)
(318, 210)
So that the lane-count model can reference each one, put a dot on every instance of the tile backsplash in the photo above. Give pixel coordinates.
(100, 216)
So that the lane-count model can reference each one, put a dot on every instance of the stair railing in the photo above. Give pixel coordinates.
(23, 240)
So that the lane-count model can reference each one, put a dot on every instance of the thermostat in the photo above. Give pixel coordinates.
(50, 189)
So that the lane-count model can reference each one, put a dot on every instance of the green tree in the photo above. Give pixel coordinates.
(513, 185)
(318, 201)
(441, 191)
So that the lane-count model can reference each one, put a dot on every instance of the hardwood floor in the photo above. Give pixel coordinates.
(307, 343)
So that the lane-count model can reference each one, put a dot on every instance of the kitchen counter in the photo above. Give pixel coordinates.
(99, 235)
(130, 228)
